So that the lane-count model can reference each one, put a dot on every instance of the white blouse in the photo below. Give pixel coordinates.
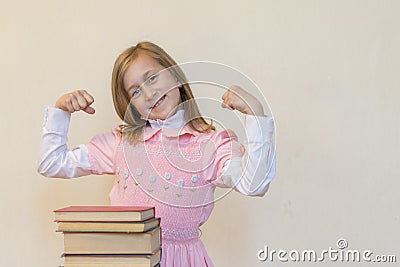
(249, 175)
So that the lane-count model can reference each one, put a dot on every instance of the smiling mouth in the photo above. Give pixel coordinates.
(158, 102)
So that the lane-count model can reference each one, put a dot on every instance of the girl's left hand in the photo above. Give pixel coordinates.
(237, 98)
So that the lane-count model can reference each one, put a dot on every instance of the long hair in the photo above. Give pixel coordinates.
(134, 124)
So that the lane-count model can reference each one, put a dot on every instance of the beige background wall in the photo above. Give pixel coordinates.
(328, 68)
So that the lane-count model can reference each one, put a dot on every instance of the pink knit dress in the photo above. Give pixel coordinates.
(176, 171)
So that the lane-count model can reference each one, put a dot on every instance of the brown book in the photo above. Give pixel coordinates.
(112, 243)
(142, 226)
(112, 260)
(104, 213)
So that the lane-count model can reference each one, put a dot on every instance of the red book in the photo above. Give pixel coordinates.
(104, 214)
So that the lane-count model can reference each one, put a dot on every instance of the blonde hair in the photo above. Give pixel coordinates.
(133, 122)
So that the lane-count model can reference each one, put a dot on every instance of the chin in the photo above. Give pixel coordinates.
(166, 115)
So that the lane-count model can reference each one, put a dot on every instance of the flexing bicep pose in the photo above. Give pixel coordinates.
(164, 154)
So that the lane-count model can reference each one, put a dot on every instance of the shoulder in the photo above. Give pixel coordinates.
(225, 144)
(224, 135)
(220, 138)
(110, 138)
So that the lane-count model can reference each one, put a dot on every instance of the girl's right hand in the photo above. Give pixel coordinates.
(75, 101)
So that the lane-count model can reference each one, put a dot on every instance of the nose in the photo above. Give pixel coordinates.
(149, 93)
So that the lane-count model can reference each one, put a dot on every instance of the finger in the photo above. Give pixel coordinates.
(227, 106)
(75, 103)
(235, 89)
(69, 107)
(89, 98)
(81, 100)
(89, 110)
(225, 96)
(236, 94)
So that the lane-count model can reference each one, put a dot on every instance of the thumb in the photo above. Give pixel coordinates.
(225, 105)
(89, 110)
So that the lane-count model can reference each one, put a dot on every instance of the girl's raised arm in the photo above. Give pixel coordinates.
(54, 159)
(251, 175)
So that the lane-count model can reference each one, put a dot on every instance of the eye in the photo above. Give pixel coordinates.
(152, 78)
(136, 92)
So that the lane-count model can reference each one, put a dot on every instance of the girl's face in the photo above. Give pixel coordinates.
(153, 90)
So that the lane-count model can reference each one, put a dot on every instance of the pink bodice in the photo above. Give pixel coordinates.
(174, 171)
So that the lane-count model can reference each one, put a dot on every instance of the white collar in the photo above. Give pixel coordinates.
(174, 121)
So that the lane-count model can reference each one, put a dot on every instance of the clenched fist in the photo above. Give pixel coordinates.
(75, 101)
(236, 98)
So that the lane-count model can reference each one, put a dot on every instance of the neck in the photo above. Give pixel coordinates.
(174, 121)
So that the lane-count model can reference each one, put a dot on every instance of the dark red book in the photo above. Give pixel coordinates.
(104, 214)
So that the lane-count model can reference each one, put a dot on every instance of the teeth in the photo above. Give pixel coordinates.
(158, 102)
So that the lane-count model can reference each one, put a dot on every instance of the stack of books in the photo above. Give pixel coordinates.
(109, 236)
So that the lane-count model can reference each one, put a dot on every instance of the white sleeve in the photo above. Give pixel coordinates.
(55, 159)
(252, 175)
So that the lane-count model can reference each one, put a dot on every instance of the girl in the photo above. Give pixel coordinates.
(164, 154)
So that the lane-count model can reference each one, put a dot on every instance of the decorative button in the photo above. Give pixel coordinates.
(139, 172)
(181, 183)
(117, 170)
(152, 178)
(195, 178)
(126, 175)
(167, 176)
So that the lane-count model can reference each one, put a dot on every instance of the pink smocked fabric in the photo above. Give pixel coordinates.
(175, 171)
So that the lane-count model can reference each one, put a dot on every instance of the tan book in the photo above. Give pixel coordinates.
(142, 226)
(112, 243)
(104, 213)
(112, 260)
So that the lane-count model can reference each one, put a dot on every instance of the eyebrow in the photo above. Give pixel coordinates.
(144, 76)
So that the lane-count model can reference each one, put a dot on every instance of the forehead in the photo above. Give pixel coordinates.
(141, 64)
(134, 74)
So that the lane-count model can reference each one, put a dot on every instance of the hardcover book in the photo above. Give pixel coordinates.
(112, 243)
(104, 213)
(112, 260)
(142, 226)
